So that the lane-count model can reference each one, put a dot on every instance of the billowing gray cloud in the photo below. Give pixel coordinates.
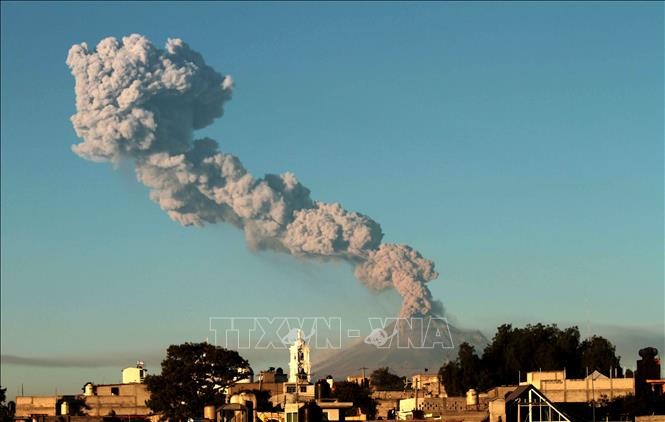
(141, 103)
(404, 269)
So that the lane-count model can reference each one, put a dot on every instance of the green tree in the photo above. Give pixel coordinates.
(6, 409)
(532, 348)
(450, 375)
(193, 375)
(360, 396)
(383, 379)
(598, 354)
(463, 373)
(470, 366)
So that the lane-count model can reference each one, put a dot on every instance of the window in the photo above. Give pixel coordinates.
(291, 389)
(292, 417)
(115, 391)
(303, 388)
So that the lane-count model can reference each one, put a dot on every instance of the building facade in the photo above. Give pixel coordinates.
(98, 400)
(596, 386)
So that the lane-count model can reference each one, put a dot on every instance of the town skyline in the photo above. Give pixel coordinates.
(518, 146)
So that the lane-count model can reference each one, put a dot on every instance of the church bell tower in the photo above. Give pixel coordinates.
(299, 366)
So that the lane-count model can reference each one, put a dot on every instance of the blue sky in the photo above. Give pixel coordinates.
(518, 145)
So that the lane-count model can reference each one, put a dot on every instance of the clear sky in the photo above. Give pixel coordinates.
(518, 145)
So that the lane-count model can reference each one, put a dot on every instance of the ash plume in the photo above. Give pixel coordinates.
(140, 103)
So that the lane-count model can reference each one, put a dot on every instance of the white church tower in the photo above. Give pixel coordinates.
(299, 366)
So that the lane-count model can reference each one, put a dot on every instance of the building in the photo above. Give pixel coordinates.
(37, 406)
(359, 379)
(387, 402)
(596, 386)
(272, 380)
(299, 386)
(117, 399)
(648, 368)
(295, 388)
(98, 400)
(299, 364)
(446, 408)
(656, 386)
(526, 402)
(331, 410)
(134, 374)
(297, 392)
(428, 384)
(108, 399)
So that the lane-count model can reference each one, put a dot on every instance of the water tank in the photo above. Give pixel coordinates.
(64, 408)
(648, 352)
(243, 398)
(132, 375)
(89, 389)
(209, 412)
(471, 397)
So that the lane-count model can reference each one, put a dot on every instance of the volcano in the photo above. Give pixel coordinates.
(405, 347)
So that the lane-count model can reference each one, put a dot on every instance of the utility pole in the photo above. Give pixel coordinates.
(416, 388)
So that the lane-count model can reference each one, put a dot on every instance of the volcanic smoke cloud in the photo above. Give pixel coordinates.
(137, 102)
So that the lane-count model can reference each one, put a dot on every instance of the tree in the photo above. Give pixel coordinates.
(451, 378)
(360, 396)
(598, 354)
(470, 365)
(532, 348)
(6, 409)
(193, 375)
(464, 373)
(383, 379)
